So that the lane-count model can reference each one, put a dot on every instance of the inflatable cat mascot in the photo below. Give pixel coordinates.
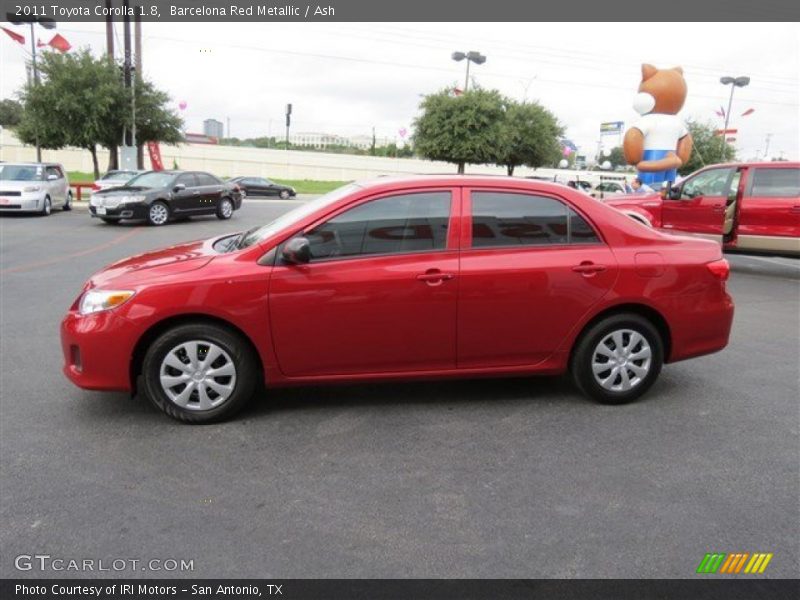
(659, 142)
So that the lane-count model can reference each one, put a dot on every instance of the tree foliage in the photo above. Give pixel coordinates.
(81, 101)
(616, 157)
(10, 113)
(460, 129)
(708, 149)
(530, 136)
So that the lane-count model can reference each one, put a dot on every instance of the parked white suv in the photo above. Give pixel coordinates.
(33, 187)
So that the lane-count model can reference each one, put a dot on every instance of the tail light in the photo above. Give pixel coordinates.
(720, 269)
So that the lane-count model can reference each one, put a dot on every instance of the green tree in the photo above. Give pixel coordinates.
(616, 157)
(10, 113)
(530, 136)
(73, 103)
(707, 149)
(460, 129)
(154, 120)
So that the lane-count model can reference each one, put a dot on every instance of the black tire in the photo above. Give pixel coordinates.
(240, 352)
(285, 194)
(47, 207)
(68, 202)
(225, 209)
(155, 214)
(584, 355)
(110, 221)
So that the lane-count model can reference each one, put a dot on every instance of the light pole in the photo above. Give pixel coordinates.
(734, 82)
(471, 56)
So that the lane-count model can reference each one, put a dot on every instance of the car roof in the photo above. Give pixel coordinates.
(393, 181)
(763, 163)
(31, 164)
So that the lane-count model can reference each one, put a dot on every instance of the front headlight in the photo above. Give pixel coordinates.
(32, 188)
(98, 300)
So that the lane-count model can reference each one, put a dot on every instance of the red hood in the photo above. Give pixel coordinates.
(167, 261)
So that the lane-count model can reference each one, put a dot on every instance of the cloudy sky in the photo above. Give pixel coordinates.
(346, 78)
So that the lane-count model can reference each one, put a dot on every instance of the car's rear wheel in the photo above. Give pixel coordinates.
(285, 194)
(68, 202)
(47, 207)
(199, 373)
(618, 359)
(158, 213)
(225, 209)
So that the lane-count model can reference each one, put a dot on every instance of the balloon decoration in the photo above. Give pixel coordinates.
(659, 142)
(182, 105)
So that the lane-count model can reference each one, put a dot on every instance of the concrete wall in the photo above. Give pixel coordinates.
(229, 161)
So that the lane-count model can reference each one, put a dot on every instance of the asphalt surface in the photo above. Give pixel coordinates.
(488, 478)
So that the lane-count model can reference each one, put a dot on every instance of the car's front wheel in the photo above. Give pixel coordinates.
(618, 359)
(199, 373)
(285, 194)
(225, 209)
(47, 207)
(158, 213)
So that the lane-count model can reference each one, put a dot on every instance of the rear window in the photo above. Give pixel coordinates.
(508, 219)
(776, 183)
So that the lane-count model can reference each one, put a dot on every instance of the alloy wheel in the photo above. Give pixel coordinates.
(158, 214)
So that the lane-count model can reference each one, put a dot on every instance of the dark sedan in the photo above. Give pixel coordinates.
(158, 196)
(259, 186)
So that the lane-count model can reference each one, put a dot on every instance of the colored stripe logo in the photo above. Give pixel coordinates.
(734, 563)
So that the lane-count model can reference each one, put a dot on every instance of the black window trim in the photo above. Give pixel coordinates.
(532, 247)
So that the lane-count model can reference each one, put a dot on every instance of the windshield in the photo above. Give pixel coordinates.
(118, 175)
(258, 234)
(153, 179)
(20, 173)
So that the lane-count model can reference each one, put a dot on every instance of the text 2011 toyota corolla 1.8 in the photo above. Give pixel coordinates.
(399, 279)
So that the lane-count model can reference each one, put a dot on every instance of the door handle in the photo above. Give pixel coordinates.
(434, 277)
(195, 193)
(588, 268)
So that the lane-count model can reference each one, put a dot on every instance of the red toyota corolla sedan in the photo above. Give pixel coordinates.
(397, 279)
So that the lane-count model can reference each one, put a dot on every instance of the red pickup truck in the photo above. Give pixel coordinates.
(753, 207)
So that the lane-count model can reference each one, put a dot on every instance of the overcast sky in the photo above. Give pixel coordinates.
(346, 78)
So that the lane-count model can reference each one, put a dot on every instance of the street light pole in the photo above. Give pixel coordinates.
(471, 56)
(35, 82)
(734, 82)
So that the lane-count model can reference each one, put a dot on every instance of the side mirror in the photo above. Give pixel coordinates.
(52, 177)
(674, 193)
(179, 187)
(297, 251)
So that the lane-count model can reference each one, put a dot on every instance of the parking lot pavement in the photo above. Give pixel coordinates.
(490, 478)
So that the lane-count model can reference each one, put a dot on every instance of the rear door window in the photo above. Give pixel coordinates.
(775, 183)
(502, 219)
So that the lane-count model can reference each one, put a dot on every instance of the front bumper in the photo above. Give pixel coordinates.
(123, 211)
(97, 350)
(26, 202)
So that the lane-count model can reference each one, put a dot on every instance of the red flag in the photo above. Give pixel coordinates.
(749, 111)
(155, 156)
(60, 43)
(20, 39)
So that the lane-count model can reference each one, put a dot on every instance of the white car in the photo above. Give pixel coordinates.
(33, 187)
(608, 188)
(114, 179)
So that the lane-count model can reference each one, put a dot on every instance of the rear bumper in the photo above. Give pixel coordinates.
(700, 324)
(97, 350)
